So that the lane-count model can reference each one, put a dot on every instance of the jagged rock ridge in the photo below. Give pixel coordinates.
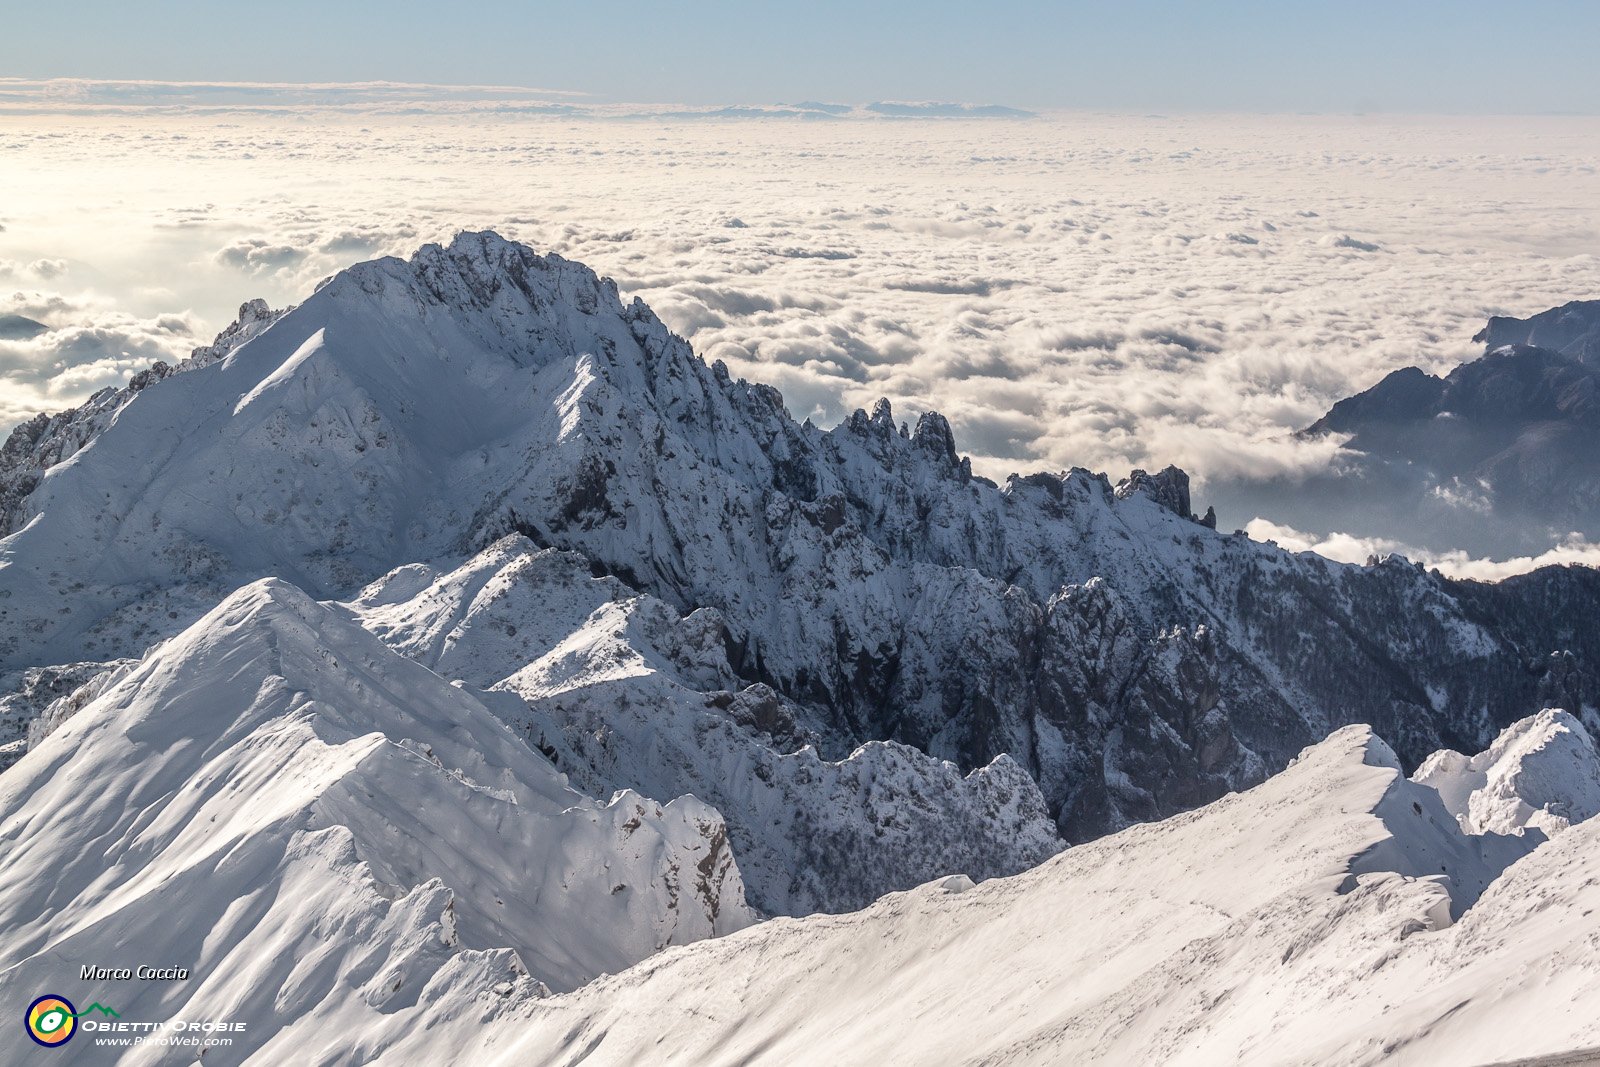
(622, 692)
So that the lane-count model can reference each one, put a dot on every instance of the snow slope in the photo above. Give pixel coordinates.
(1335, 914)
(47, 440)
(625, 693)
(1309, 920)
(331, 838)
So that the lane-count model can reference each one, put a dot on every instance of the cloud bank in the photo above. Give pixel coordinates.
(1095, 290)
(98, 96)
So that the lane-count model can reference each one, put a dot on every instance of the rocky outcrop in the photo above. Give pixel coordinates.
(1168, 487)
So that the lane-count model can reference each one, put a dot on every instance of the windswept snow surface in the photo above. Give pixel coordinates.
(329, 837)
(1307, 921)
(1335, 914)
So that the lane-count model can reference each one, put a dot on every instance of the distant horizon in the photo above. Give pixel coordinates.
(75, 94)
(1146, 55)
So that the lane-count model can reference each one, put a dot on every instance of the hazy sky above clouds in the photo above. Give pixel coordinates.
(1167, 55)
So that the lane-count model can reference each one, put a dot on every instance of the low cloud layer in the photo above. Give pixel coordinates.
(1091, 290)
(84, 346)
(1349, 548)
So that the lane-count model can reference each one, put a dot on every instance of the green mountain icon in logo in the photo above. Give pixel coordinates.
(97, 1007)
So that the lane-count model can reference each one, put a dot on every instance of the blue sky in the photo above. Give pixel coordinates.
(1167, 55)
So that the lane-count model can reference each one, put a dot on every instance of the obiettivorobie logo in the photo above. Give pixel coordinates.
(51, 1020)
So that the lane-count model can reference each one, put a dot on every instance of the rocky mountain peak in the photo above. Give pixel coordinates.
(20, 328)
(933, 434)
(1168, 487)
(484, 271)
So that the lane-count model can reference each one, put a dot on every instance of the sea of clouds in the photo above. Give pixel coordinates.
(1093, 290)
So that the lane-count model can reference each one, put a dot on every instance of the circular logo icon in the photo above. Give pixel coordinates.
(51, 1020)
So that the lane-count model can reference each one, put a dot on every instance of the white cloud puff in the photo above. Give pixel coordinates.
(95, 348)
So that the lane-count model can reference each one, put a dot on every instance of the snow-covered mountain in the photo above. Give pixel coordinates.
(363, 639)
(368, 866)
(343, 835)
(1132, 659)
(1336, 914)
(620, 691)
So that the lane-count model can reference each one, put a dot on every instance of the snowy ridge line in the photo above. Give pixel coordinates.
(349, 838)
(622, 691)
(1147, 947)
(46, 440)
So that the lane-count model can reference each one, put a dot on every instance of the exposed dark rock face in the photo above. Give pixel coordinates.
(1168, 487)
